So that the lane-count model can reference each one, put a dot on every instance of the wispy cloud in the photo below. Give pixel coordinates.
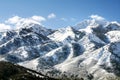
(64, 19)
(51, 16)
(72, 19)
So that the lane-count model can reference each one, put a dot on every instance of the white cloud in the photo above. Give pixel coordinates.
(64, 19)
(17, 21)
(38, 18)
(4, 26)
(52, 15)
(13, 20)
(97, 17)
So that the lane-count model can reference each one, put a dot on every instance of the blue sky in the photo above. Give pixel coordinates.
(66, 12)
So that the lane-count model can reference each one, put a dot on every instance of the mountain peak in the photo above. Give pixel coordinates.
(93, 21)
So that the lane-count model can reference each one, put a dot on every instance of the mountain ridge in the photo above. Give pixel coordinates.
(91, 51)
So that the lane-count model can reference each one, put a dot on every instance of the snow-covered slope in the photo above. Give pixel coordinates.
(88, 50)
(24, 43)
(62, 34)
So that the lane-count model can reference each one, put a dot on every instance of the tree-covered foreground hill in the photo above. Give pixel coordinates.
(9, 71)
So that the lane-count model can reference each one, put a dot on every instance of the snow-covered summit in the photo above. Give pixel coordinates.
(93, 21)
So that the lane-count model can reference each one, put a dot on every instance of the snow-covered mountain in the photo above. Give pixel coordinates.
(88, 50)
